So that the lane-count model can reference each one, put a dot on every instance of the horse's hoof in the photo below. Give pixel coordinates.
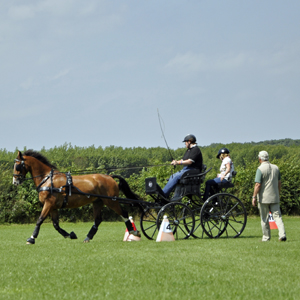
(30, 241)
(86, 240)
(135, 233)
(73, 236)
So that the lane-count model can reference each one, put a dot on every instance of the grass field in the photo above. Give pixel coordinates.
(108, 268)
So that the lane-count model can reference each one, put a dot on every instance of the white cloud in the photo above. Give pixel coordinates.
(27, 84)
(52, 7)
(21, 112)
(189, 61)
(192, 62)
(21, 12)
(89, 8)
(283, 60)
(280, 61)
(62, 73)
(195, 91)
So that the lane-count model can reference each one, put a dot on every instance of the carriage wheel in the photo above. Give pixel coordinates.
(181, 219)
(195, 203)
(223, 213)
(148, 222)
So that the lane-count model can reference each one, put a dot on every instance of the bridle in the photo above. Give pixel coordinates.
(19, 167)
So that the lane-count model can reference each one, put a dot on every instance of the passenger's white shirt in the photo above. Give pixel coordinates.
(225, 161)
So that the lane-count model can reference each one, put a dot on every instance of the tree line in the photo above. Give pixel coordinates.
(20, 204)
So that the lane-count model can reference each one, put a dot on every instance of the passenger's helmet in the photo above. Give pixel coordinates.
(221, 151)
(191, 138)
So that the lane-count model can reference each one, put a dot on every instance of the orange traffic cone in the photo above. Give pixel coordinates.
(272, 222)
(165, 233)
(130, 237)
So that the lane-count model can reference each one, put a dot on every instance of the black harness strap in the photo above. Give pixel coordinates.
(68, 189)
(69, 183)
(47, 189)
(51, 178)
(38, 188)
(52, 189)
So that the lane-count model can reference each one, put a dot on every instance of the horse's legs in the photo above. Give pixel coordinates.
(55, 220)
(114, 205)
(97, 207)
(39, 222)
(129, 224)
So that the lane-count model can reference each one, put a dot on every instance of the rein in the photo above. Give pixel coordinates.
(78, 172)
(42, 175)
(69, 184)
(109, 169)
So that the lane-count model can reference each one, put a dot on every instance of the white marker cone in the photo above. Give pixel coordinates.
(130, 237)
(165, 233)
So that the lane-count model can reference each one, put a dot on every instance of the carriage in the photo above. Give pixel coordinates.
(222, 214)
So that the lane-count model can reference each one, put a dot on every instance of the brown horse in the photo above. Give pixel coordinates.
(61, 190)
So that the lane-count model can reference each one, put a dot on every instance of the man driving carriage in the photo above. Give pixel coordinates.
(192, 159)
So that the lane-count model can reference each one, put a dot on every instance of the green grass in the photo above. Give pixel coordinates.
(107, 267)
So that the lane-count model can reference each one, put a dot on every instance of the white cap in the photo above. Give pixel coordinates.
(263, 155)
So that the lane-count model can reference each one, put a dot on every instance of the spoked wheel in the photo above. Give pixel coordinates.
(195, 203)
(181, 219)
(223, 213)
(148, 222)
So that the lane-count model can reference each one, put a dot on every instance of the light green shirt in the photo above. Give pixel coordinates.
(268, 176)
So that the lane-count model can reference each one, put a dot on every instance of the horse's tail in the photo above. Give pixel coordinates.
(124, 187)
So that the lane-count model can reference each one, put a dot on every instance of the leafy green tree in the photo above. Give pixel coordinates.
(20, 204)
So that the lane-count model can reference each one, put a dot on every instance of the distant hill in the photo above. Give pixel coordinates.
(284, 142)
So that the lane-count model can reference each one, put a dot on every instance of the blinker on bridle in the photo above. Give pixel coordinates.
(19, 168)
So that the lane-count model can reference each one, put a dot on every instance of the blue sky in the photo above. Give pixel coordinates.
(95, 72)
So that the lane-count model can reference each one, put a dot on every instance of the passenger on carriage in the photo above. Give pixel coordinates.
(192, 159)
(225, 175)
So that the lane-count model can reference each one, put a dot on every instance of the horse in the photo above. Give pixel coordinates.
(61, 190)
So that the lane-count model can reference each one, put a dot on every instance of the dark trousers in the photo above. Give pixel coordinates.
(212, 183)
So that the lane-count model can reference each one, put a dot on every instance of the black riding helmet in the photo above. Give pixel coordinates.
(190, 137)
(221, 151)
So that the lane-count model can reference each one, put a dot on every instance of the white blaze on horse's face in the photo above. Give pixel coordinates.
(15, 180)
(17, 176)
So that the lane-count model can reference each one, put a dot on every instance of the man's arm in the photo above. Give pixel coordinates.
(182, 162)
(256, 190)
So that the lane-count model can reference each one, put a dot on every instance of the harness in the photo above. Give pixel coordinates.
(68, 187)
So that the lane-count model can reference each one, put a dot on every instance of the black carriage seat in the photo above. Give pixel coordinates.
(224, 186)
(189, 183)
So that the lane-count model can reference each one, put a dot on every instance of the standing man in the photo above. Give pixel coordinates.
(192, 159)
(267, 188)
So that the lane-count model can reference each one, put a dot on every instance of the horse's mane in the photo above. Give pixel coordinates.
(39, 157)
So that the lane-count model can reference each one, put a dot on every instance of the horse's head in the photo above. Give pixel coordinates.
(20, 170)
